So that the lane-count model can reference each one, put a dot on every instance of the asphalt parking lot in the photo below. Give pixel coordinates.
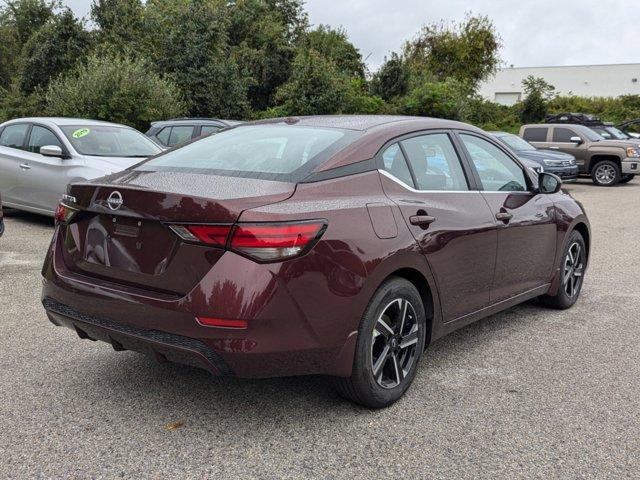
(528, 393)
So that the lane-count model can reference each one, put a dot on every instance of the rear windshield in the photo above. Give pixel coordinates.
(275, 152)
(109, 141)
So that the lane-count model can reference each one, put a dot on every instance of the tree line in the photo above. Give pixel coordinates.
(134, 62)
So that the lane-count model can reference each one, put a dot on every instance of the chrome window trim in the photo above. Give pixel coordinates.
(411, 189)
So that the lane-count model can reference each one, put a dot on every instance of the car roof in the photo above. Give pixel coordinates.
(192, 121)
(63, 121)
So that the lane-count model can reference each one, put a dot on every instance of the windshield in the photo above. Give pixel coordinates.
(590, 134)
(516, 143)
(617, 133)
(109, 141)
(259, 151)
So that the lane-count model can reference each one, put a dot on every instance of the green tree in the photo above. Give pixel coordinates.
(188, 41)
(116, 89)
(447, 99)
(392, 79)
(55, 48)
(334, 45)
(467, 52)
(316, 86)
(119, 23)
(535, 105)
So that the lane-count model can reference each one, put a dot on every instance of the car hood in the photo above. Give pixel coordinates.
(539, 155)
(616, 143)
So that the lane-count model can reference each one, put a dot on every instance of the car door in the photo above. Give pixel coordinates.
(425, 177)
(561, 140)
(12, 166)
(46, 177)
(525, 220)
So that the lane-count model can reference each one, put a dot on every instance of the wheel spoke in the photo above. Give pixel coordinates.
(404, 305)
(386, 331)
(398, 369)
(382, 359)
(577, 255)
(409, 339)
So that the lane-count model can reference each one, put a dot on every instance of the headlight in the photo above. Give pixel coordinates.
(553, 163)
(572, 162)
(633, 152)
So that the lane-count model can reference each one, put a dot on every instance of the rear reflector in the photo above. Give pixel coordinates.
(222, 322)
(64, 213)
(265, 242)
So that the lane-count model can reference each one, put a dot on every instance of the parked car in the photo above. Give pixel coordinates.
(1, 219)
(316, 245)
(176, 131)
(561, 164)
(608, 162)
(631, 127)
(40, 156)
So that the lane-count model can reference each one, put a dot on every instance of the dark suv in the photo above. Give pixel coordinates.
(170, 133)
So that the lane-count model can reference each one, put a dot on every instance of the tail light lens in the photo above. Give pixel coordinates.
(263, 242)
(64, 213)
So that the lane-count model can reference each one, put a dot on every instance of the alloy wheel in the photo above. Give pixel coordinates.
(394, 343)
(573, 269)
(605, 174)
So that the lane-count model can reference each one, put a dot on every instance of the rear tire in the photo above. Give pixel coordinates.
(627, 178)
(572, 270)
(606, 173)
(390, 344)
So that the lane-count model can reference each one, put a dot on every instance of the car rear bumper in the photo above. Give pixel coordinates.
(631, 165)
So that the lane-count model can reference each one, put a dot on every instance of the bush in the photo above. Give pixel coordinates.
(436, 99)
(115, 89)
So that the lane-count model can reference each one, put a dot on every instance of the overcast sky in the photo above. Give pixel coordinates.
(534, 32)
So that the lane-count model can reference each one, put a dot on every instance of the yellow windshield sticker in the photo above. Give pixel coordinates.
(83, 132)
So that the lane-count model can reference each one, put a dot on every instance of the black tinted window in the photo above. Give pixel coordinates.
(563, 135)
(396, 164)
(535, 134)
(13, 135)
(435, 162)
(41, 137)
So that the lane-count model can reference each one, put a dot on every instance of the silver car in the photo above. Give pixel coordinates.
(39, 157)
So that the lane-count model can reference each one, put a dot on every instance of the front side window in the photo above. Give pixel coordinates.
(563, 135)
(396, 164)
(109, 141)
(497, 171)
(535, 134)
(258, 151)
(179, 135)
(41, 137)
(435, 163)
(163, 135)
(13, 135)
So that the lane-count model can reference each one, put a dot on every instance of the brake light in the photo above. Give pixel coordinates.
(275, 241)
(215, 235)
(265, 242)
(64, 213)
(222, 322)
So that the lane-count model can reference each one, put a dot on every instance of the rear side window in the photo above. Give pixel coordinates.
(14, 135)
(535, 134)
(163, 135)
(180, 135)
(41, 137)
(207, 129)
(396, 164)
(255, 151)
(563, 135)
(497, 171)
(435, 163)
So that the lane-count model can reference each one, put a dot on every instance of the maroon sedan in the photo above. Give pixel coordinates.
(340, 246)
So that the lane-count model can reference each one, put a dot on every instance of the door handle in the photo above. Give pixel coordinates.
(422, 220)
(25, 166)
(504, 216)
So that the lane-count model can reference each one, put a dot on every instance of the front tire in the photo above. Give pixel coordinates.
(390, 343)
(572, 269)
(606, 173)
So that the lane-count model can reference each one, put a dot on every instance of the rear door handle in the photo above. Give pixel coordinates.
(25, 166)
(504, 216)
(422, 220)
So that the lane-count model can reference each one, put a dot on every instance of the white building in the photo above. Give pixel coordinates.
(583, 80)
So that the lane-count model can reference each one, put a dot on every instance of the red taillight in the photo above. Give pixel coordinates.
(64, 213)
(261, 241)
(275, 241)
(222, 322)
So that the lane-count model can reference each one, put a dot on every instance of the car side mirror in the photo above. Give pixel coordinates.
(577, 140)
(51, 151)
(549, 183)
